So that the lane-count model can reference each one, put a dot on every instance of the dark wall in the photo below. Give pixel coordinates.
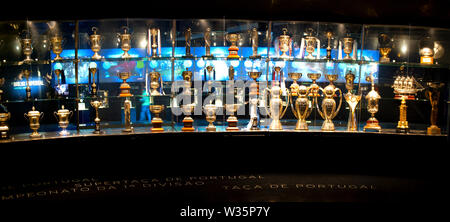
(415, 12)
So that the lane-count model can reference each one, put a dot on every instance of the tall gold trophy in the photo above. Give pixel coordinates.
(93, 70)
(433, 95)
(311, 44)
(188, 122)
(352, 101)
(329, 110)
(348, 48)
(124, 87)
(155, 79)
(329, 36)
(125, 42)
(233, 38)
(26, 74)
(63, 116)
(253, 100)
(56, 42)
(276, 110)
(303, 106)
(33, 117)
(385, 47)
(155, 42)
(187, 37)
(4, 128)
(96, 104)
(284, 43)
(187, 77)
(210, 111)
(157, 121)
(254, 41)
(207, 37)
(27, 48)
(372, 106)
(405, 88)
(95, 44)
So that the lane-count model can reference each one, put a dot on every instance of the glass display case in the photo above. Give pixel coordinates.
(120, 76)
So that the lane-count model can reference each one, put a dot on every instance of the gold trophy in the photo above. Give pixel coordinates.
(372, 106)
(155, 79)
(405, 87)
(124, 87)
(276, 110)
(127, 116)
(311, 44)
(95, 44)
(254, 41)
(56, 42)
(294, 86)
(26, 74)
(314, 92)
(329, 36)
(27, 48)
(207, 37)
(329, 110)
(253, 100)
(348, 48)
(385, 47)
(233, 38)
(93, 70)
(155, 43)
(33, 117)
(232, 119)
(352, 101)
(187, 76)
(188, 122)
(125, 42)
(433, 95)
(63, 116)
(303, 106)
(4, 128)
(187, 37)
(284, 43)
(426, 50)
(210, 111)
(157, 121)
(96, 104)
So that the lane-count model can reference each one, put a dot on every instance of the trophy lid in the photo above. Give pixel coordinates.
(63, 111)
(94, 30)
(33, 112)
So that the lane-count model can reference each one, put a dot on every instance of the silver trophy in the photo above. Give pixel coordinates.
(207, 37)
(254, 41)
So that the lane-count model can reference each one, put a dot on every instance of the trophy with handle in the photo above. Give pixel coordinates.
(157, 121)
(329, 110)
(63, 116)
(302, 108)
(352, 101)
(95, 41)
(125, 42)
(372, 106)
(276, 110)
(33, 117)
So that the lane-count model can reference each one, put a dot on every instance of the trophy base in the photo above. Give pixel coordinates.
(433, 130)
(129, 130)
(188, 129)
(126, 56)
(4, 135)
(64, 133)
(275, 125)
(96, 57)
(188, 57)
(35, 135)
(402, 130)
(211, 129)
(384, 60)
(407, 97)
(328, 126)
(301, 125)
(156, 130)
(347, 57)
(255, 57)
(372, 127)
(426, 60)
(98, 132)
(125, 95)
(208, 57)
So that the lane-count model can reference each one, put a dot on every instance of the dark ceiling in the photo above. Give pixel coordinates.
(403, 12)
